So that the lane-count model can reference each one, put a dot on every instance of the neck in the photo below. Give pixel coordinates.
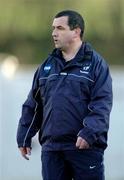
(71, 52)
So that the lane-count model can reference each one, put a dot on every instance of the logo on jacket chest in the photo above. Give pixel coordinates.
(85, 69)
(47, 68)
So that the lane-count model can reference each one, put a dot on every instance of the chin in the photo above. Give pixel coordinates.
(57, 46)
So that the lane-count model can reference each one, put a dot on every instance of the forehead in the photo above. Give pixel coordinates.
(60, 21)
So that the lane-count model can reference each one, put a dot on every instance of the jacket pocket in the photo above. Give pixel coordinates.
(80, 86)
(47, 85)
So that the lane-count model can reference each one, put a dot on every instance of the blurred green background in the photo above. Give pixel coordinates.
(25, 27)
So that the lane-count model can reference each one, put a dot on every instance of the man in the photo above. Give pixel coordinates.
(69, 104)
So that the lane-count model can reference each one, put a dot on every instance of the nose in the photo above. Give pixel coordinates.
(54, 33)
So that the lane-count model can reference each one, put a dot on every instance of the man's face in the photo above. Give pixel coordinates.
(62, 35)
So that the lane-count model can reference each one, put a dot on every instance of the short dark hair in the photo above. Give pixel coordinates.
(74, 20)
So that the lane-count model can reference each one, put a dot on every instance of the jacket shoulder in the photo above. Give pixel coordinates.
(98, 60)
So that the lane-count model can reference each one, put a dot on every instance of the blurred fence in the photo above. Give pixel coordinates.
(13, 92)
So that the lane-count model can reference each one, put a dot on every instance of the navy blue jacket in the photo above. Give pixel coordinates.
(68, 100)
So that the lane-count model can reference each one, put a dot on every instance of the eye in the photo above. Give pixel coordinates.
(60, 27)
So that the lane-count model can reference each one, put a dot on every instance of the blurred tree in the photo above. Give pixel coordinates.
(116, 10)
(26, 27)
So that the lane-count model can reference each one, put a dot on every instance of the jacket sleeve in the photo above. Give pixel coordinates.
(31, 118)
(96, 123)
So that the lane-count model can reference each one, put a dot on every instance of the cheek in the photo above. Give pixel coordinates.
(68, 37)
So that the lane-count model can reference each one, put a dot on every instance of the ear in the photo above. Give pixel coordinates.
(77, 32)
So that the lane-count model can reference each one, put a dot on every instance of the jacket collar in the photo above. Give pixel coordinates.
(77, 60)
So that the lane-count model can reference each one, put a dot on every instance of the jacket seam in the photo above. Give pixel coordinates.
(70, 74)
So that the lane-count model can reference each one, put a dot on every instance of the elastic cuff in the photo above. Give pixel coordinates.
(88, 135)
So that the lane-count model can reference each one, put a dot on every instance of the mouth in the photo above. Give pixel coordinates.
(55, 40)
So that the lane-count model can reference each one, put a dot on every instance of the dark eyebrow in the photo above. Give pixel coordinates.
(58, 27)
